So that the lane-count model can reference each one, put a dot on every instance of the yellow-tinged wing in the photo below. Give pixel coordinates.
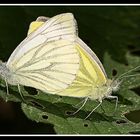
(36, 24)
(90, 75)
(40, 21)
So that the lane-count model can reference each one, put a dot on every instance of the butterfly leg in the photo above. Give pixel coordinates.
(94, 109)
(7, 91)
(114, 97)
(81, 106)
(79, 103)
(21, 94)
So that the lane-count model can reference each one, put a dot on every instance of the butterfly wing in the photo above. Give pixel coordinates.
(36, 24)
(50, 67)
(91, 73)
(47, 58)
(40, 20)
(62, 26)
(91, 70)
(92, 55)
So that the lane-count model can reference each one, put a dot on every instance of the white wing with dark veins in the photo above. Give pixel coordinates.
(47, 59)
(62, 26)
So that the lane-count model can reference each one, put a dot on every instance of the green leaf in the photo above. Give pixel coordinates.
(113, 34)
(56, 109)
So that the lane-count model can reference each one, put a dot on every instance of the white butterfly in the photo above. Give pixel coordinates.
(91, 80)
(46, 59)
(54, 59)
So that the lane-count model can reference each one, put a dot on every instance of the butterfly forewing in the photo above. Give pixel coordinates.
(53, 68)
(62, 26)
(47, 59)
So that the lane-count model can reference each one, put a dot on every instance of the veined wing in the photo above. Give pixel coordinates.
(92, 55)
(49, 67)
(40, 20)
(90, 74)
(36, 24)
(62, 26)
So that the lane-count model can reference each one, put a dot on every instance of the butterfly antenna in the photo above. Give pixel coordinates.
(126, 76)
(122, 75)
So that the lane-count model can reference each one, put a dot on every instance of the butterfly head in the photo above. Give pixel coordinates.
(115, 85)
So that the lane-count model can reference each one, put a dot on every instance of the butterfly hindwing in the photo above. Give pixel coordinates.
(89, 76)
(92, 55)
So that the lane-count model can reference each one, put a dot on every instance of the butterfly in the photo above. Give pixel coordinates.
(52, 58)
(46, 59)
(91, 80)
